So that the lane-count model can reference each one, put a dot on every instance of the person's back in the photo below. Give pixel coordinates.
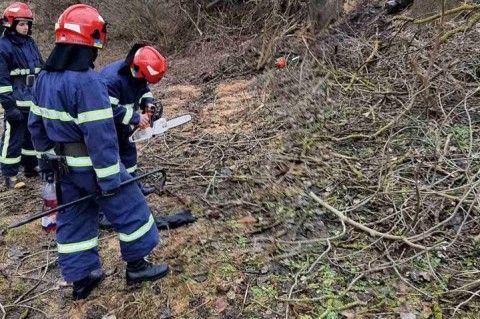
(72, 115)
(75, 108)
(131, 93)
(57, 97)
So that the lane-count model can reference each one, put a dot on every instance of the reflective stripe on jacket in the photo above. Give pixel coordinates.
(72, 106)
(19, 57)
(127, 94)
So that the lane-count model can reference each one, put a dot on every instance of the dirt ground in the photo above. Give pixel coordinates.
(206, 270)
(343, 186)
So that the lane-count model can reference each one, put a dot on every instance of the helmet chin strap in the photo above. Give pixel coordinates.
(132, 70)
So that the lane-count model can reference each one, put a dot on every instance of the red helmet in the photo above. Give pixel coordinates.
(148, 64)
(81, 24)
(17, 10)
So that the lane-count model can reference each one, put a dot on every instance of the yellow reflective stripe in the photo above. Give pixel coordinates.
(24, 103)
(52, 114)
(37, 70)
(6, 89)
(107, 171)
(79, 161)
(87, 162)
(35, 109)
(20, 72)
(29, 152)
(66, 117)
(77, 247)
(39, 154)
(113, 100)
(6, 160)
(128, 116)
(147, 95)
(132, 169)
(6, 141)
(139, 232)
(96, 115)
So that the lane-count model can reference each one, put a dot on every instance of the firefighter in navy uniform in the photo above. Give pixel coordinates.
(71, 116)
(20, 62)
(127, 81)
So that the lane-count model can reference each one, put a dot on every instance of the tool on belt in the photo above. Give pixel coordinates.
(63, 206)
(59, 167)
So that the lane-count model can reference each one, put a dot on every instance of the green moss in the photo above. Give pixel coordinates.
(19, 236)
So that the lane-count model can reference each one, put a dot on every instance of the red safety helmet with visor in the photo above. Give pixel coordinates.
(148, 64)
(16, 11)
(81, 24)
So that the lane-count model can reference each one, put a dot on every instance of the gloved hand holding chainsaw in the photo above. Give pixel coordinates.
(151, 113)
(152, 123)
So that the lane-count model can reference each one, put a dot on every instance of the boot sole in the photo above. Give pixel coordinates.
(137, 281)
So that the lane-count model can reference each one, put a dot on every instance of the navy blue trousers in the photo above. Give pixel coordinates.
(16, 147)
(77, 232)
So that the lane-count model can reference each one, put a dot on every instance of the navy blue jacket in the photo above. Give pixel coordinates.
(73, 106)
(19, 57)
(127, 94)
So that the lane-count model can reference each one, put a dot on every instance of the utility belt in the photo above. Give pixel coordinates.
(75, 149)
(23, 80)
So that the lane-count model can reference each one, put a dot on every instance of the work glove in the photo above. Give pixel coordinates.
(109, 192)
(144, 121)
(12, 113)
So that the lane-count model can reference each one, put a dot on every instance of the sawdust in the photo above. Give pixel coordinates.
(225, 113)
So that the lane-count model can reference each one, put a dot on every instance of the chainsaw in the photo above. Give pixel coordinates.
(158, 127)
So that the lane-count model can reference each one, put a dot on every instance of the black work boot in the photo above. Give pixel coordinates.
(13, 182)
(103, 222)
(142, 270)
(83, 287)
(30, 172)
(145, 189)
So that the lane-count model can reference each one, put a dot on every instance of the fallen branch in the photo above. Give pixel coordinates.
(382, 129)
(332, 308)
(191, 20)
(470, 24)
(370, 231)
(469, 7)
(305, 271)
(473, 294)
(376, 48)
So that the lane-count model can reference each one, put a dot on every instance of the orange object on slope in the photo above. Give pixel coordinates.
(281, 62)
